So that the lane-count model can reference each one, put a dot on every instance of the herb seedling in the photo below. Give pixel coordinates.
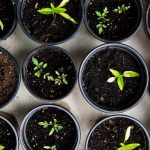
(125, 146)
(50, 147)
(1, 25)
(58, 10)
(61, 79)
(119, 77)
(54, 124)
(2, 147)
(121, 9)
(39, 66)
(103, 20)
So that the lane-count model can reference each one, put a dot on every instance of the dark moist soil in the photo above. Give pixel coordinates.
(108, 95)
(121, 25)
(7, 78)
(38, 137)
(109, 135)
(6, 16)
(49, 28)
(7, 136)
(56, 60)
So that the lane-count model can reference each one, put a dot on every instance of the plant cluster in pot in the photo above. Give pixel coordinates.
(9, 77)
(8, 135)
(113, 77)
(113, 20)
(49, 73)
(50, 21)
(50, 127)
(8, 19)
(118, 133)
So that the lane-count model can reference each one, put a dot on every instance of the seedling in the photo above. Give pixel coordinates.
(61, 78)
(60, 10)
(55, 127)
(2, 147)
(1, 25)
(103, 20)
(122, 9)
(49, 77)
(119, 77)
(125, 146)
(50, 147)
(39, 66)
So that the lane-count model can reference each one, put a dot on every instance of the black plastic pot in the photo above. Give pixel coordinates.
(23, 137)
(147, 138)
(12, 96)
(24, 69)
(20, 19)
(13, 129)
(148, 19)
(11, 30)
(134, 54)
(132, 33)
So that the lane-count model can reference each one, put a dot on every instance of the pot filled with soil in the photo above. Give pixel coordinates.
(50, 21)
(8, 19)
(113, 20)
(49, 73)
(8, 135)
(9, 77)
(50, 127)
(113, 77)
(118, 133)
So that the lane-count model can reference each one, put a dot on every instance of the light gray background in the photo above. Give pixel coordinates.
(19, 45)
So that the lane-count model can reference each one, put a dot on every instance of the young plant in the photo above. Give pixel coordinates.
(103, 20)
(1, 25)
(60, 10)
(61, 78)
(119, 77)
(49, 77)
(55, 127)
(50, 147)
(39, 66)
(121, 9)
(125, 146)
(2, 147)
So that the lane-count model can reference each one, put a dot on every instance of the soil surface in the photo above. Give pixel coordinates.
(6, 16)
(38, 137)
(56, 60)
(120, 25)
(50, 28)
(109, 135)
(7, 136)
(7, 78)
(108, 95)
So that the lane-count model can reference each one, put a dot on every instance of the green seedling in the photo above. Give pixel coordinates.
(1, 147)
(50, 147)
(125, 146)
(39, 66)
(120, 77)
(60, 10)
(61, 78)
(121, 9)
(49, 77)
(55, 127)
(1, 25)
(103, 20)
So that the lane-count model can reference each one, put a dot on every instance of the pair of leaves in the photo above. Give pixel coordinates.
(127, 136)
(48, 77)
(50, 147)
(119, 77)
(121, 9)
(2, 147)
(58, 10)
(1, 25)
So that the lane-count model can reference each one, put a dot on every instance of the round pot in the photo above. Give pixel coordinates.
(13, 129)
(23, 137)
(123, 38)
(126, 50)
(13, 27)
(48, 48)
(20, 19)
(119, 117)
(17, 84)
(147, 19)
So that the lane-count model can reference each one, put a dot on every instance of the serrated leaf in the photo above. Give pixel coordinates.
(45, 11)
(131, 74)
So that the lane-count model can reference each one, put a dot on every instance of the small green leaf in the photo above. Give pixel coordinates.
(60, 10)
(2, 147)
(57, 73)
(46, 11)
(115, 72)
(35, 61)
(51, 131)
(66, 16)
(50, 78)
(36, 68)
(40, 64)
(120, 82)
(98, 13)
(63, 3)
(128, 132)
(45, 65)
(1, 25)
(47, 147)
(132, 146)
(131, 74)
